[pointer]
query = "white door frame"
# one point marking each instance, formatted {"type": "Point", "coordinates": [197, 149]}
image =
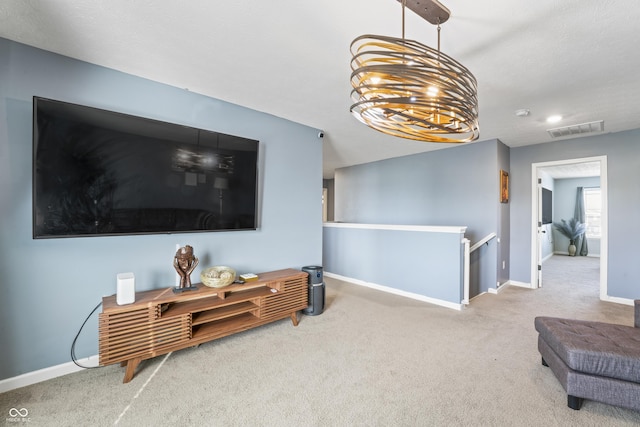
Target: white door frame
{"type": "Point", "coordinates": [538, 255]}
{"type": "Point", "coordinates": [604, 239]}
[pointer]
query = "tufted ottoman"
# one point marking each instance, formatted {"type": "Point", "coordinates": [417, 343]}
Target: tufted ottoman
{"type": "Point", "coordinates": [593, 360]}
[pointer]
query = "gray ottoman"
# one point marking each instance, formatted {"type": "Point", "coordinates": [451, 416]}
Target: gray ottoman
{"type": "Point", "coordinates": [593, 360]}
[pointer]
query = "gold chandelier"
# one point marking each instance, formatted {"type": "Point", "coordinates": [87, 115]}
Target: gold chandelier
{"type": "Point", "coordinates": [406, 89]}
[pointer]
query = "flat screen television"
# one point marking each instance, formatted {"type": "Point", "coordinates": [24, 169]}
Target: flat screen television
{"type": "Point", "coordinates": [103, 173]}
{"type": "Point", "coordinates": [547, 206]}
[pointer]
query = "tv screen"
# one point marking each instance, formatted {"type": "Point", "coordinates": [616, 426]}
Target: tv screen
{"type": "Point", "coordinates": [547, 206]}
{"type": "Point", "coordinates": [98, 172]}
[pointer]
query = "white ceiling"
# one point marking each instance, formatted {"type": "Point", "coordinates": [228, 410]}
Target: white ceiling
{"type": "Point", "coordinates": [572, 170]}
{"type": "Point", "coordinates": [290, 58]}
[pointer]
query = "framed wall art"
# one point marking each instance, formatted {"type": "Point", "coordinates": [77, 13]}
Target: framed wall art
{"type": "Point", "coordinates": [504, 186]}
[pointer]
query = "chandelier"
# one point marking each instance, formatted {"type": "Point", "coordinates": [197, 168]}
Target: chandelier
{"type": "Point", "coordinates": [406, 89]}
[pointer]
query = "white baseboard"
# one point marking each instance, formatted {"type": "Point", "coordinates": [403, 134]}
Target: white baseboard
{"type": "Point", "coordinates": [46, 374]}
{"type": "Point", "coordinates": [498, 289]}
{"type": "Point", "coordinates": [395, 291]}
{"type": "Point", "coordinates": [617, 300]}
{"type": "Point", "coordinates": [510, 283]}
{"type": "Point", "coordinates": [567, 254]}
{"type": "Point", "coordinates": [519, 284]}
{"type": "Point", "coordinates": [605, 298]}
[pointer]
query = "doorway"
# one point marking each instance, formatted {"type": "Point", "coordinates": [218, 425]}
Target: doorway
{"type": "Point", "coordinates": [325, 204]}
{"type": "Point", "coordinates": [536, 223]}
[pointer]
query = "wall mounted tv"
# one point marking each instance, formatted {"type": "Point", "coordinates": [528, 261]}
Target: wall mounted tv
{"type": "Point", "coordinates": [99, 173]}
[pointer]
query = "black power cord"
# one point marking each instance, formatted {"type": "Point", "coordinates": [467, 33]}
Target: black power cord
{"type": "Point", "coordinates": [73, 344]}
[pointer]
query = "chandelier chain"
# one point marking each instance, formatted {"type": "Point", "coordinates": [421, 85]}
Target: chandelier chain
{"type": "Point", "coordinates": [404, 3]}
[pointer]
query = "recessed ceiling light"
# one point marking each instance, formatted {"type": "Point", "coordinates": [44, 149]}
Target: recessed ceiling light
{"type": "Point", "coordinates": [523, 112]}
{"type": "Point", "coordinates": [554, 119]}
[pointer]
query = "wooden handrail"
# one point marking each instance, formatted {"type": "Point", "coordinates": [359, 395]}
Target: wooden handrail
{"type": "Point", "coordinates": [482, 242]}
{"type": "Point", "coordinates": [467, 255]}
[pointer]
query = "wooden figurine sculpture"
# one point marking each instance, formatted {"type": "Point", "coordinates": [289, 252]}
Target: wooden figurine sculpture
{"type": "Point", "coordinates": [185, 262]}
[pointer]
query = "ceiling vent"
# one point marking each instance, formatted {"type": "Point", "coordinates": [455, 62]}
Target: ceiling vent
{"type": "Point", "coordinates": [590, 127]}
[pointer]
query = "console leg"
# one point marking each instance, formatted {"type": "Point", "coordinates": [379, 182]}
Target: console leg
{"type": "Point", "coordinates": [131, 369]}
{"type": "Point", "coordinates": [294, 318]}
{"type": "Point", "coordinates": [544, 363]}
{"type": "Point", "coordinates": [574, 402]}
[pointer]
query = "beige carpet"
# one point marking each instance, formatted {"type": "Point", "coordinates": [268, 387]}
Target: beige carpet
{"type": "Point", "coordinates": [371, 359]}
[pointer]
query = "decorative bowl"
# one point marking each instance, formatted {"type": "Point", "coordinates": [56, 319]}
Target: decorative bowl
{"type": "Point", "coordinates": [218, 277]}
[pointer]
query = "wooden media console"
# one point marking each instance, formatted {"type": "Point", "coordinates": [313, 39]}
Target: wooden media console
{"type": "Point", "coordinates": [161, 321]}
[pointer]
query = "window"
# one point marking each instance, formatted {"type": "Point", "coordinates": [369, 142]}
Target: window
{"type": "Point", "coordinates": [592, 207]}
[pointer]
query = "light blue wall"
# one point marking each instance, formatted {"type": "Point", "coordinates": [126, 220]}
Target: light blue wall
{"type": "Point", "coordinates": [455, 186]}
{"type": "Point", "coordinates": [504, 219]}
{"type": "Point", "coordinates": [623, 160]}
{"type": "Point", "coordinates": [422, 263]}
{"type": "Point", "coordinates": [50, 286]}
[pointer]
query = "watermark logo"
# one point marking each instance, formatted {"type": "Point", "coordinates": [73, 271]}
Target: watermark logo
{"type": "Point", "coordinates": [18, 415]}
